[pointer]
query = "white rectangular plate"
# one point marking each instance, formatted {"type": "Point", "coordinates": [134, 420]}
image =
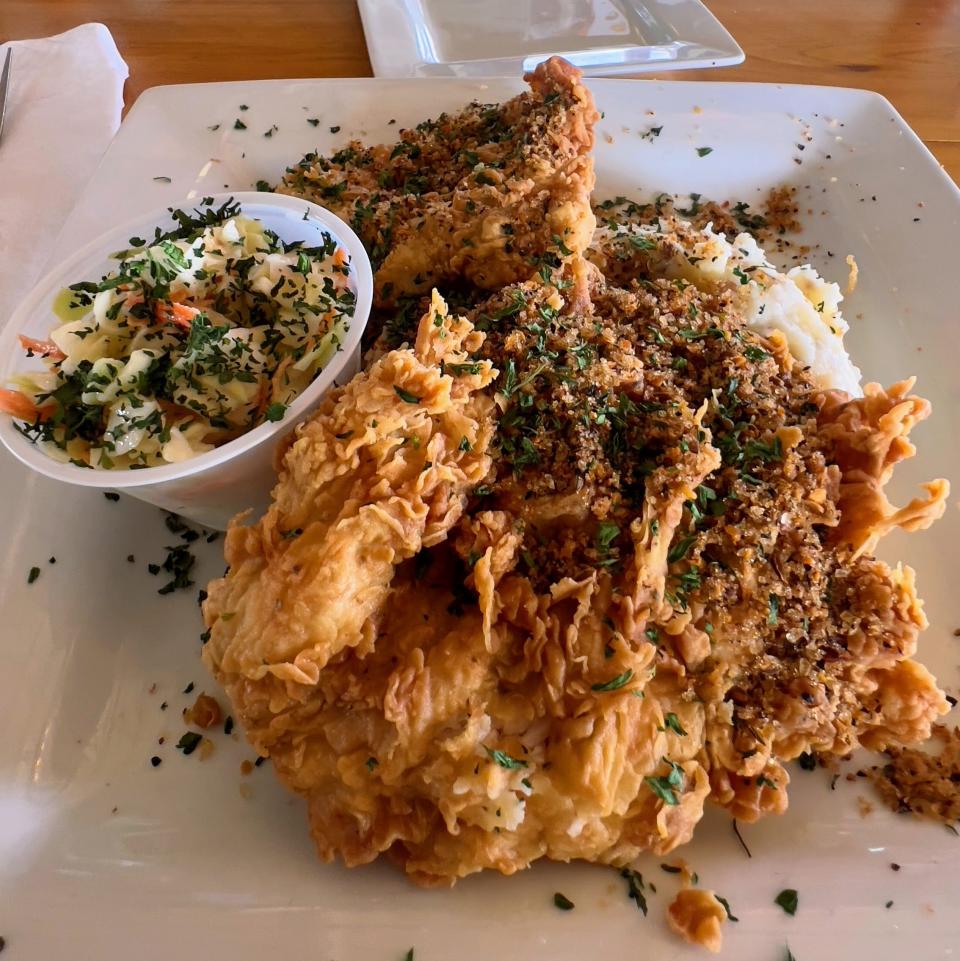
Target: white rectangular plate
{"type": "Point", "coordinates": [102, 854]}
{"type": "Point", "coordinates": [503, 38]}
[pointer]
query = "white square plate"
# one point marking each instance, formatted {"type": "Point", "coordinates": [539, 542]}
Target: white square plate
{"type": "Point", "coordinates": [103, 856]}
{"type": "Point", "coordinates": [504, 38]}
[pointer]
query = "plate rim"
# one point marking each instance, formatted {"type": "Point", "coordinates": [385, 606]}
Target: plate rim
{"type": "Point", "coordinates": [761, 932]}
{"type": "Point", "coordinates": [398, 58]}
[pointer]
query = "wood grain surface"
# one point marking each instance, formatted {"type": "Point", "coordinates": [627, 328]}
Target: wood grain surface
{"type": "Point", "coordinates": [908, 50]}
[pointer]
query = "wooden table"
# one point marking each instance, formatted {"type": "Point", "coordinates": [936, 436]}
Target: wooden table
{"type": "Point", "coordinates": [908, 50]}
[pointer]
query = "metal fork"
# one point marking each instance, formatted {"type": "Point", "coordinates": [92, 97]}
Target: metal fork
{"type": "Point", "coordinates": [4, 83]}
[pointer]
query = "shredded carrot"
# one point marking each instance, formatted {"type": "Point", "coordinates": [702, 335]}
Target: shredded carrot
{"type": "Point", "coordinates": [42, 348]}
{"type": "Point", "coordinates": [263, 397]}
{"type": "Point", "coordinates": [174, 413]}
{"type": "Point", "coordinates": [340, 257]}
{"type": "Point", "coordinates": [180, 314]}
{"type": "Point", "coordinates": [277, 374]}
{"type": "Point", "coordinates": [18, 405]}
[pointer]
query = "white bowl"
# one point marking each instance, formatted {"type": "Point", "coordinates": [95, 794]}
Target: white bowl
{"type": "Point", "coordinates": [212, 487]}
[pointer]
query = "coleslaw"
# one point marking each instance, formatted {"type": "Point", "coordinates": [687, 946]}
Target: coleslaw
{"type": "Point", "coordinates": [196, 337]}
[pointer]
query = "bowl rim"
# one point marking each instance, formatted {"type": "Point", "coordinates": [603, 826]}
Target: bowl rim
{"type": "Point", "coordinates": [97, 249]}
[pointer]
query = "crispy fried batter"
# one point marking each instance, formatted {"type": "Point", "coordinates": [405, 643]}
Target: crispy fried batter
{"type": "Point", "coordinates": [577, 561]}
{"type": "Point", "coordinates": [779, 217]}
{"type": "Point", "coordinates": [698, 917]}
{"type": "Point", "coordinates": [481, 195]}
{"type": "Point", "coordinates": [504, 694]}
{"type": "Point", "coordinates": [379, 474]}
{"type": "Point", "coordinates": [921, 783]}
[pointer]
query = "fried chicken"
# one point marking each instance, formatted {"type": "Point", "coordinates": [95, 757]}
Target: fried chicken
{"type": "Point", "coordinates": [481, 195]}
{"type": "Point", "coordinates": [578, 560]}
{"type": "Point", "coordinates": [380, 473]}
{"type": "Point", "coordinates": [561, 619]}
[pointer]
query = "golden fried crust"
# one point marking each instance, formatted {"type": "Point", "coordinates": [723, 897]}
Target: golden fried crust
{"type": "Point", "coordinates": [378, 474]}
{"type": "Point", "coordinates": [867, 438]}
{"type": "Point", "coordinates": [698, 917]}
{"type": "Point", "coordinates": [437, 700]}
{"type": "Point", "coordinates": [545, 582]}
{"type": "Point", "coordinates": [481, 195]}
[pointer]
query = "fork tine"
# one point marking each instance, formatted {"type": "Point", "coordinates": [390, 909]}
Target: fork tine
{"type": "Point", "coordinates": [4, 81]}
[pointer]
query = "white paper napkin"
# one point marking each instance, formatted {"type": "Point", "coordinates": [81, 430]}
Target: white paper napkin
{"type": "Point", "coordinates": [63, 108]}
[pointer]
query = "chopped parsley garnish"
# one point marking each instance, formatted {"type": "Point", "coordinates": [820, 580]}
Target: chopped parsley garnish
{"type": "Point", "coordinates": [642, 243]}
{"type": "Point", "coordinates": [111, 496]}
{"type": "Point", "coordinates": [371, 763]}
{"type": "Point", "coordinates": [517, 303]}
{"type": "Point", "coordinates": [275, 412]}
{"type": "Point", "coordinates": [406, 396]}
{"type": "Point", "coordinates": [162, 180]}
{"type": "Point", "coordinates": [33, 574]}
{"type": "Point", "coordinates": [694, 207]}
{"type": "Point", "coordinates": [773, 608]}
{"type": "Point", "coordinates": [563, 902]}
{"type": "Point", "coordinates": [788, 900]}
{"type": "Point", "coordinates": [665, 788]}
{"type": "Point", "coordinates": [635, 886]}
{"type": "Point", "coordinates": [703, 151]}
{"type": "Point", "coordinates": [178, 563]}
{"type": "Point", "coordinates": [505, 760]}
{"type": "Point", "coordinates": [313, 121]}
{"type": "Point", "coordinates": [743, 278]}
{"type": "Point", "coordinates": [615, 683]}
{"type": "Point", "coordinates": [726, 907]}
{"type": "Point", "coordinates": [335, 129]}
{"type": "Point", "coordinates": [808, 761]}
{"type": "Point", "coordinates": [238, 124]}
{"type": "Point", "coordinates": [679, 550]}
{"type": "Point", "coordinates": [188, 742]}
{"type": "Point", "coordinates": [743, 844]}
{"type": "Point", "coordinates": [672, 722]}
{"type": "Point", "coordinates": [606, 534]}
{"type": "Point", "coordinates": [459, 369]}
